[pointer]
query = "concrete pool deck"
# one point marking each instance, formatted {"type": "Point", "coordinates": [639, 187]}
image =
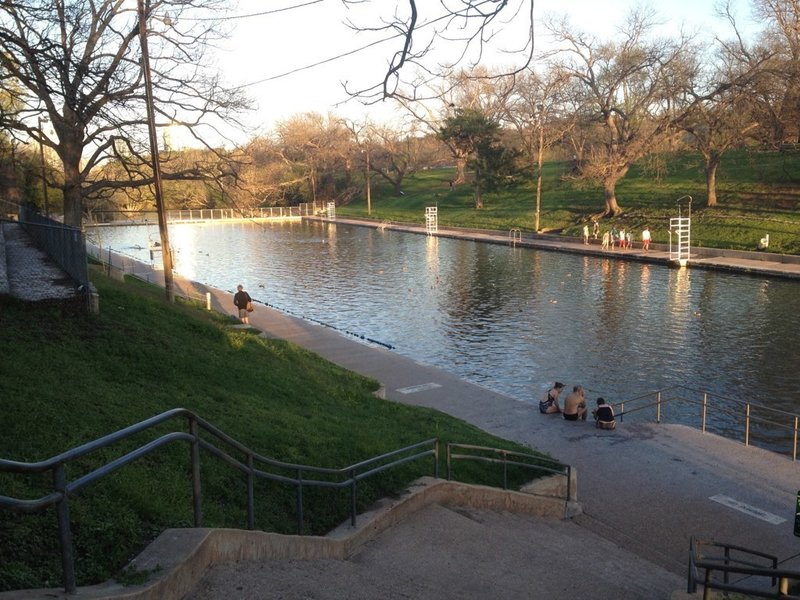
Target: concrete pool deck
{"type": "Point", "coordinates": [740, 261]}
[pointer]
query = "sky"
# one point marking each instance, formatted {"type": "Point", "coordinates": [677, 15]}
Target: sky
{"type": "Point", "coordinates": [272, 46]}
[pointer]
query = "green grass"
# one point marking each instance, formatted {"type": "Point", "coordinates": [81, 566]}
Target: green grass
{"type": "Point", "coordinates": [66, 380]}
{"type": "Point", "coordinates": [758, 193]}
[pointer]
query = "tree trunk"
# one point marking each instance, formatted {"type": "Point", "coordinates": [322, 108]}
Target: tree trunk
{"type": "Point", "coordinates": [461, 170]}
{"type": "Point", "coordinates": [610, 196]}
{"type": "Point", "coordinates": [73, 196]}
{"type": "Point", "coordinates": [539, 159]}
{"type": "Point", "coordinates": [711, 180]}
{"type": "Point", "coordinates": [478, 195]}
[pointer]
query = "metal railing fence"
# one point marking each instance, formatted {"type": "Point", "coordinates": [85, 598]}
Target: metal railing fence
{"type": "Point", "coordinates": [253, 467]}
{"type": "Point", "coordinates": [758, 569]}
{"type": "Point", "coordinates": [194, 215]}
{"type": "Point", "coordinates": [129, 265]}
{"type": "Point", "coordinates": [744, 416]}
{"type": "Point", "coordinates": [62, 243]}
{"type": "Point", "coordinates": [508, 458]}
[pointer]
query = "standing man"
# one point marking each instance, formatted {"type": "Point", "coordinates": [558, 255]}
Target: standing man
{"type": "Point", "coordinates": [646, 238]}
{"type": "Point", "coordinates": [244, 303]}
{"type": "Point", "coordinates": [585, 234]}
{"type": "Point", "coordinates": [595, 228]}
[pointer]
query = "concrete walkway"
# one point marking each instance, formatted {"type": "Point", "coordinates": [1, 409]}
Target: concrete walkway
{"type": "Point", "coordinates": [645, 489]}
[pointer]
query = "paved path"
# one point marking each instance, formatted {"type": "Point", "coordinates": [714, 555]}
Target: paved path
{"type": "Point", "coordinates": [27, 272]}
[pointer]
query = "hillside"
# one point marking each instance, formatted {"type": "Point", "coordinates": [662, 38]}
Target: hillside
{"type": "Point", "coordinates": [758, 193]}
{"type": "Point", "coordinates": [65, 381]}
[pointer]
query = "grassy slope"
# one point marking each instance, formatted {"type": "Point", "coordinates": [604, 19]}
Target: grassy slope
{"type": "Point", "coordinates": [66, 381]}
{"type": "Point", "coordinates": [758, 193]}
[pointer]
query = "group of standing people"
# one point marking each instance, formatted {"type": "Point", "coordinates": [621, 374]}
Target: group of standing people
{"type": "Point", "coordinates": [619, 238]}
{"type": "Point", "coordinates": [575, 408]}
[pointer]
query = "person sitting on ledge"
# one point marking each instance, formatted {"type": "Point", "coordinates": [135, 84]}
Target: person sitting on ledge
{"type": "Point", "coordinates": [604, 415]}
{"type": "Point", "coordinates": [575, 405]}
{"type": "Point", "coordinates": [550, 403]}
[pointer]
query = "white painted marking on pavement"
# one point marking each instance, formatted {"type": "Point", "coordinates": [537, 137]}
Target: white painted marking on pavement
{"type": "Point", "coordinates": [747, 509]}
{"type": "Point", "coordinates": [419, 388]}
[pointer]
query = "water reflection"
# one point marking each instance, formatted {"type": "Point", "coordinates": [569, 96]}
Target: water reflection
{"type": "Point", "coordinates": [512, 318]}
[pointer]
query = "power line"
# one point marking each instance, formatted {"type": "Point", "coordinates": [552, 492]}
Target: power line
{"type": "Point", "coordinates": [259, 14]}
{"type": "Point", "coordinates": [338, 56]}
{"type": "Point", "coordinates": [317, 64]}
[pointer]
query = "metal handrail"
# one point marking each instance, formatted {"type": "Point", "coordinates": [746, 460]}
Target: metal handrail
{"type": "Point", "coordinates": [729, 565]}
{"type": "Point", "coordinates": [63, 489]}
{"type": "Point", "coordinates": [549, 466]}
{"type": "Point", "coordinates": [745, 410]}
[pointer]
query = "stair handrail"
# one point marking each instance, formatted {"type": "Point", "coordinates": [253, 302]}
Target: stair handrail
{"type": "Point", "coordinates": [62, 488]}
{"type": "Point", "coordinates": [729, 565]}
{"type": "Point", "coordinates": [507, 459]}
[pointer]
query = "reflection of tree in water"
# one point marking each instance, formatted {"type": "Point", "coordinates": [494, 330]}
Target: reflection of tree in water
{"type": "Point", "coordinates": [611, 299]}
{"type": "Point", "coordinates": [479, 284]}
{"type": "Point", "coordinates": [774, 363]}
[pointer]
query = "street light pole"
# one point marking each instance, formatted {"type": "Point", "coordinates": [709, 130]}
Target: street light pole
{"type": "Point", "coordinates": [539, 156]}
{"type": "Point", "coordinates": [369, 186]}
{"type": "Point", "coordinates": [166, 252]}
{"type": "Point", "coordinates": [44, 171]}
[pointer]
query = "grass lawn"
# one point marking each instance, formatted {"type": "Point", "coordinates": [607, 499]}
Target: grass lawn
{"type": "Point", "coordinates": [67, 380]}
{"type": "Point", "coordinates": [758, 194]}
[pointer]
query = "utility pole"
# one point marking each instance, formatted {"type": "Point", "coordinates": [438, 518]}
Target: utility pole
{"type": "Point", "coordinates": [166, 251]}
{"type": "Point", "coordinates": [44, 171]}
{"type": "Point", "coordinates": [539, 155]}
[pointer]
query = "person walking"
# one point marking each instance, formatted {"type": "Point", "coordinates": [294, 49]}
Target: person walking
{"type": "Point", "coordinates": [244, 303]}
{"type": "Point", "coordinates": [586, 234]}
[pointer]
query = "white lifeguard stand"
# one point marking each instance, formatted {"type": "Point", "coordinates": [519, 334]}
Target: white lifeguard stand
{"type": "Point", "coordinates": [331, 210]}
{"type": "Point", "coordinates": [432, 219]}
{"type": "Point", "coordinates": [682, 227]}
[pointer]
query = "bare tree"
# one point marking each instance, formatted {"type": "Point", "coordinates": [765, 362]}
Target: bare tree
{"type": "Point", "coordinates": [318, 148]}
{"type": "Point", "coordinates": [267, 178]}
{"type": "Point", "coordinates": [720, 115]}
{"type": "Point", "coordinates": [632, 85]}
{"type": "Point", "coordinates": [388, 152]}
{"type": "Point", "coordinates": [79, 64]}
{"type": "Point", "coordinates": [432, 104]}
{"type": "Point", "coordinates": [536, 110]}
{"type": "Point", "coordinates": [471, 29]}
{"type": "Point", "coordinates": [780, 80]}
